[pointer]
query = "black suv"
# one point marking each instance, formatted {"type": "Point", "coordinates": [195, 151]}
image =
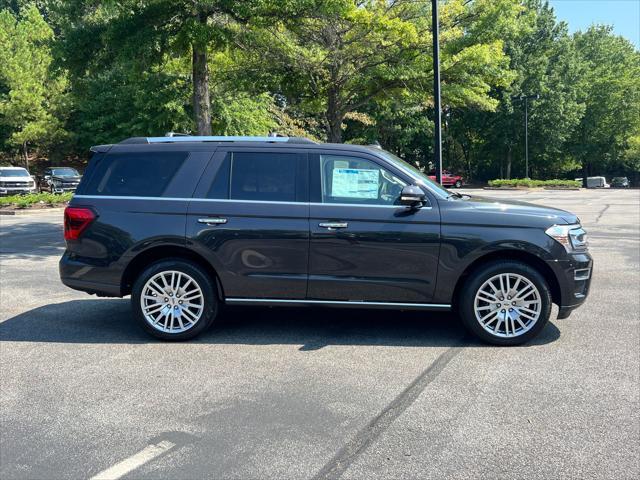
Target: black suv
{"type": "Point", "coordinates": [185, 224]}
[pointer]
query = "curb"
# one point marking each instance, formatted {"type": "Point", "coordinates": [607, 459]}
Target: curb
{"type": "Point", "coordinates": [526, 189]}
{"type": "Point", "coordinates": [31, 211]}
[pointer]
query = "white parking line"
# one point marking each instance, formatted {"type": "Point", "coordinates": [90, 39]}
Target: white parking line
{"type": "Point", "coordinates": [127, 465]}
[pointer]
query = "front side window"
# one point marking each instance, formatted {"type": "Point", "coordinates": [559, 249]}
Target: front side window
{"type": "Point", "coordinates": [139, 174]}
{"type": "Point", "coordinates": [260, 176]}
{"type": "Point", "coordinates": [356, 180]}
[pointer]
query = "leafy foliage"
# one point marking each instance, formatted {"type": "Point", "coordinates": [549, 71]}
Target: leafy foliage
{"type": "Point", "coordinates": [25, 201]}
{"type": "Point", "coordinates": [76, 73]}
{"type": "Point", "coordinates": [529, 183]}
{"type": "Point", "coordinates": [33, 98]}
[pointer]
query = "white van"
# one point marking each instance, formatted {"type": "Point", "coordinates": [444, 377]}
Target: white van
{"type": "Point", "coordinates": [595, 182]}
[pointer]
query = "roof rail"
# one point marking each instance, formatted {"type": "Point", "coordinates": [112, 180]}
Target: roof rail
{"type": "Point", "coordinates": [194, 138]}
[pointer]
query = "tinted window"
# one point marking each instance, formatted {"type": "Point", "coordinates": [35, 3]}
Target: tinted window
{"type": "Point", "coordinates": [357, 180]}
{"type": "Point", "coordinates": [265, 176]}
{"type": "Point", "coordinates": [145, 174]}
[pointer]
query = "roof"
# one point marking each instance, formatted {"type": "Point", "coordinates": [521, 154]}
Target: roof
{"type": "Point", "coordinates": [12, 168]}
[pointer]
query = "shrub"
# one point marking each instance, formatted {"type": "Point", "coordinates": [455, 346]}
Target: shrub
{"type": "Point", "coordinates": [529, 183]}
{"type": "Point", "coordinates": [25, 201]}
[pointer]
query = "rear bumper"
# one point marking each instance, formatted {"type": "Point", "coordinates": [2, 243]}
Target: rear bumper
{"type": "Point", "coordinates": [87, 278]}
{"type": "Point", "coordinates": [574, 276]}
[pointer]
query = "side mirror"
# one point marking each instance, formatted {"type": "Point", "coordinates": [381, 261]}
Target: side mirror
{"type": "Point", "coordinates": [412, 195]}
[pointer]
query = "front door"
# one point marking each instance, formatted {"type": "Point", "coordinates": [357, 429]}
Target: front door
{"type": "Point", "coordinates": [364, 245]}
{"type": "Point", "coordinates": [250, 218]}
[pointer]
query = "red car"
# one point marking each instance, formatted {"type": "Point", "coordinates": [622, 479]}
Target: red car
{"type": "Point", "coordinates": [448, 179]}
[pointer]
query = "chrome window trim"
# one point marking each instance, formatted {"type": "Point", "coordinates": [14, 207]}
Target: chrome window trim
{"type": "Point", "coordinates": [443, 306]}
{"type": "Point", "coordinates": [228, 200]}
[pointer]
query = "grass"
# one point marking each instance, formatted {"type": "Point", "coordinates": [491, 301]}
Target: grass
{"type": "Point", "coordinates": [527, 182]}
{"type": "Point", "coordinates": [26, 201]}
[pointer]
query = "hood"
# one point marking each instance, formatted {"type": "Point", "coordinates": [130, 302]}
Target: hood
{"type": "Point", "coordinates": [74, 178]}
{"type": "Point", "coordinates": [16, 179]}
{"type": "Point", "coordinates": [493, 211]}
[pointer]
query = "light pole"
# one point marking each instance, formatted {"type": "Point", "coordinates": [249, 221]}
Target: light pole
{"type": "Point", "coordinates": [437, 147]}
{"type": "Point", "coordinates": [526, 99]}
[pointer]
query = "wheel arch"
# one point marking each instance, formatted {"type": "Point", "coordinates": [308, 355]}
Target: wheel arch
{"type": "Point", "coordinates": [145, 258]}
{"type": "Point", "coordinates": [518, 255]}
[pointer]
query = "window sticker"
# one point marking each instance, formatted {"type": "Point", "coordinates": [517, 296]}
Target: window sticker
{"type": "Point", "coordinates": [355, 183]}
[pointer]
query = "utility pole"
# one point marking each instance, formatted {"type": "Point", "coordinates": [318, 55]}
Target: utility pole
{"type": "Point", "coordinates": [526, 99]}
{"type": "Point", "coordinates": [437, 147]}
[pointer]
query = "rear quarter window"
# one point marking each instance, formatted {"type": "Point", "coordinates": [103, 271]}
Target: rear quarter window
{"type": "Point", "coordinates": [136, 174]}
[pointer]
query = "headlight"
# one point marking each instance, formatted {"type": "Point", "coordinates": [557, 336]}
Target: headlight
{"type": "Point", "coordinates": [57, 183]}
{"type": "Point", "coordinates": [572, 237]}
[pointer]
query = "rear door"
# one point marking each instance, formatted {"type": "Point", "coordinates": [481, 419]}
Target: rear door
{"type": "Point", "coordinates": [364, 245]}
{"type": "Point", "coordinates": [249, 218]}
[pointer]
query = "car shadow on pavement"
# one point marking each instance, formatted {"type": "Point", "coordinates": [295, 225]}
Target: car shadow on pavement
{"type": "Point", "coordinates": [31, 241]}
{"type": "Point", "coordinates": [111, 321]}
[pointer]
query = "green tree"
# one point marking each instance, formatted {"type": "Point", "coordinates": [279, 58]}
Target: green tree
{"type": "Point", "coordinates": [339, 63]}
{"type": "Point", "coordinates": [32, 95]}
{"type": "Point", "coordinates": [610, 90]}
{"type": "Point", "coordinates": [544, 61]}
{"type": "Point", "coordinates": [143, 33]}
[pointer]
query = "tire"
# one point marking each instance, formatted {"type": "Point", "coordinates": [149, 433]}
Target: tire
{"type": "Point", "coordinates": [458, 184]}
{"type": "Point", "coordinates": [175, 319]}
{"type": "Point", "coordinates": [518, 319]}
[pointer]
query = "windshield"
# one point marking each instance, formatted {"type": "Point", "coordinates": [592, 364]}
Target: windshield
{"type": "Point", "coordinates": [65, 172]}
{"type": "Point", "coordinates": [18, 172]}
{"type": "Point", "coordinates": [414, 172]}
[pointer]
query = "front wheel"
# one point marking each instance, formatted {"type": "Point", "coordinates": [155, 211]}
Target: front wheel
{"type": "Point", "coordinates": [505, 303]}
{"type": "Point", "coordinates": [174, 299]}
{"type": "Point", "coordinates": [458, 184]}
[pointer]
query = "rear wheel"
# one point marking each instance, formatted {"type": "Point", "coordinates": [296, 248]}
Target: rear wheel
{"type": "Point", "coordinates": [458, 184]}
{"type": "Point", "coordinates": [505, 303]}
{"type": "Point", "coordinates": [174, 299]}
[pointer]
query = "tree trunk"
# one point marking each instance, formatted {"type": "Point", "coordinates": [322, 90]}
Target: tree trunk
{"type": "Point", "coordinates": [334, 118]}
{"type": "Point", "coordinates": [25, 151]}
{"type": "Point", "coordinates": [509, 163]}
{"type": "Point", "coordinates": [201, 100]}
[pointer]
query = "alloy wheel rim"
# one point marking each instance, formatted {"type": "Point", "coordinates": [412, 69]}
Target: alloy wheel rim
{"type": "Point", "coordinates": [507, 305]}
{"type": "Point", "coordinates": [172, 302]}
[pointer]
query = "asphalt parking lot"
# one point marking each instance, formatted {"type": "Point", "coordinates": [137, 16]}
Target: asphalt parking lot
{"type": "Point", "coordinates": [301, 393]}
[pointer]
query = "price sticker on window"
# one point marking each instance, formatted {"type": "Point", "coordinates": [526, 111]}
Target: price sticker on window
{"type": "Point", "coordinates": [355, 183]}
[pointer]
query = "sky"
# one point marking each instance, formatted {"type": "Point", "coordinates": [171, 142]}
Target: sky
{"type": "Point", "coordinates": [623, 15]}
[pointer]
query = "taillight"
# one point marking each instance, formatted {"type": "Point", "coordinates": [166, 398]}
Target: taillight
{"type": "Point", "coordinates": [76, 220]}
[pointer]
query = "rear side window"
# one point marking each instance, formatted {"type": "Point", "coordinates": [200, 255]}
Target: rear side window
{"type": "Point", "coordinates": [136, 174]}
{"type": "Point", "coordinates": [263, 176]}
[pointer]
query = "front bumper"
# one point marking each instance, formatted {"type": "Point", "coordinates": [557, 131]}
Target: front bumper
{"type": "Point", "coordinates": [17, 190]}
{"type": "Point", "coordinates": [63, 188]}
{"type": "Point", "coordinates": [574, 275]}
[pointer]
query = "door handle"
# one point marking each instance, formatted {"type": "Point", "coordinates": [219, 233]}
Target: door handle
{"type": "Point", "coordinates": [333, 225]}
{"type": "Point", "coordinates": [212, 221]}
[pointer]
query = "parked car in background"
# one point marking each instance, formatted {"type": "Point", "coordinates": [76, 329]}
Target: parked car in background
{"type": "Point", "coordinates": [595, 182]}
{"type": "Point", "coordinates": [620, 182]}
{"type": "Point", "coordinates": [186, 225]}
{"type": "Point", "coordinates": [59, 180]}
{"type": "Point", "coordinates": [448, 179]}
{"type": "Point", "coordinates": [16, 181]}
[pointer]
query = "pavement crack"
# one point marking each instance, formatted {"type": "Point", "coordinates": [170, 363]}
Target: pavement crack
{"type": "Point", "coordinates": [606, 207]}
{"type": "Point", "coordinates": [367, 435]}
